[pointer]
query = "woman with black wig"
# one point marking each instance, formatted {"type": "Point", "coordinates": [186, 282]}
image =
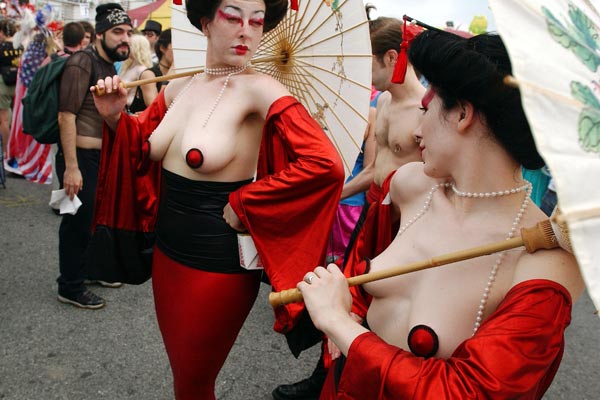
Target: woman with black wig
{"type": "Point", "coordinates": [490, 327]}
{"type": "Point", "coordinates": [208, 131]}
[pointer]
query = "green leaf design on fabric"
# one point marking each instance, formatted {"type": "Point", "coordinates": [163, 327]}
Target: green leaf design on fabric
{"type": "Point", "coordinates": [582, 37]}
{"type": "Point", "coordinates": [584, 94]}
{"type": "Point", "coordinates": [589, 129]}
{"type": "Point", "coordinates": [579, 37]}
{"type": "Point", "coordinates": [585, 26]}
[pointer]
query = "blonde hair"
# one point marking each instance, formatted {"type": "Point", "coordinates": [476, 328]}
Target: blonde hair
{"type": "Point", "coordinates": [139, 53]}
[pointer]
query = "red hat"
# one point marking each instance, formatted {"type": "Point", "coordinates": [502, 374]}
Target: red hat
{"type": "Point", "coordinates": [409, 33]}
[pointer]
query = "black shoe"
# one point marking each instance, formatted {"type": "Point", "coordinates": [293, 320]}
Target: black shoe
{"type": "Point", "coordinates": [306, 389]}
{"type": "Point", "coordinates": [87, 299]}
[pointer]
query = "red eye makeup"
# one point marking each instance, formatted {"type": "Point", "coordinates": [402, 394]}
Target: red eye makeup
{"type": "Point", "coordinates": [230, 17]}
{"type": "Point", "coordinates": [257, 21]}
{"type": "Point", "coordinates": [427, 98]}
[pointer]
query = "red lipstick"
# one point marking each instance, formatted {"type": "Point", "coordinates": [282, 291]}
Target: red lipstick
{"type": "Point", "coordinates": [241, 50]}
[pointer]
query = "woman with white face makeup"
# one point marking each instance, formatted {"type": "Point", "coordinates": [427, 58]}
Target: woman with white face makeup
{"type": "Point", "coordinates": [490, 327]}
{"type": "Point", "coordinates": [211, 134]}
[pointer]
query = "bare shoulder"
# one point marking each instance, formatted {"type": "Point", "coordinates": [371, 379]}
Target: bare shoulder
{"type": "Point", "coordinates": [383, 100]}
{"type": "Point", "coordinates": [409, 182]}
{"type": "Point", "coordinates": [147, 74]}
{"type": "Point", "coordinates": [557, 265]}
{"type": "Point", "coordinates": [174, 87]}
{"type": "Point", "coordinates": [264, 90]}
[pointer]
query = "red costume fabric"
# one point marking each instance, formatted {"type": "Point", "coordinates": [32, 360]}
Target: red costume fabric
{"type": "Point", "coordinates": [197, 336]}
{"type": "Point", "coordinates": [376, 234]}
{"type": "Point", "coordinates": [128, 184]}
{"type": "Point", "coordinates": [288, 210]}
{"type": "Point", "coordinates": [126, 201]}
{"type": "Point", "coordinates": [514, 354]}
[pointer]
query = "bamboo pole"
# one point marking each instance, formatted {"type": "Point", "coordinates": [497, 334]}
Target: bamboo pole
{"type": "Point", "coordinates": [540, 236]}
{"type": "Point", "coordinates": [283, 58]}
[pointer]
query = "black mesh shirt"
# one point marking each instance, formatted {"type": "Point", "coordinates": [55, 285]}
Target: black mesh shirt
{"type": "Point", "coordinates": [75, 96]}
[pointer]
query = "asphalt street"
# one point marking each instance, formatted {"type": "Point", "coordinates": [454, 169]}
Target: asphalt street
{"type": "Point", "coordinates": [49, 350]}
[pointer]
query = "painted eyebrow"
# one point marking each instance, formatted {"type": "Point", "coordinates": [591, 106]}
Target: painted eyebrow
{"type": "Point", "coordinates": [238, 9]}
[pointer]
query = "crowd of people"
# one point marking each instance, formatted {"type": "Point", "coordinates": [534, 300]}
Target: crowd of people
{"type": "Point", "coordinates": [198, 161]}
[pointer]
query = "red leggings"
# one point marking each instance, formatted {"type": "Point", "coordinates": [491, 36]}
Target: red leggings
{"type": "Point", "coordinates": [199, 314]}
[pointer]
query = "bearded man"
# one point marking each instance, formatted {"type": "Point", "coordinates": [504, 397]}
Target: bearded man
{"type": "Point", "coordinates": [80, 143]}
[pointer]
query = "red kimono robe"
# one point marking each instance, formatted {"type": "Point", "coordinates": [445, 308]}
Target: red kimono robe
{"type": "Point", "coordinates": [288, 211]}
{"type": "Point", "coordinates": [376, 234]}
{"type": "Point", "coordinates": [514, 354]}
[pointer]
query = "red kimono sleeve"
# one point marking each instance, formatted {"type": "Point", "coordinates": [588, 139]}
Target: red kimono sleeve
{"type": "Point", "coordinates": [128, 183]}
{"type": "Point", "coordinates": [290, 208]}
{"type": "Point", "coordinates": [514, 354]}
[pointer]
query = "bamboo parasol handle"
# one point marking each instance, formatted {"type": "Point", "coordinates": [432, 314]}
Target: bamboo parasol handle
{"type": "Point", "coordinates": [126, 85]}
{"type": "Point", "coordinates": [540, 236]}
{"type": "Point", "coordinates": [283, 58]}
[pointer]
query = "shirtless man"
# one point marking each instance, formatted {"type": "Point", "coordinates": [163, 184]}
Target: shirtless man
{"type": "Point", "coordinates": [398, 106]}
{"type": "Point", "coordinates": [398, 113]}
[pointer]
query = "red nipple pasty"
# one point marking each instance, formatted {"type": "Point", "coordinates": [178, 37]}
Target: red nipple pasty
{"type": "Point", "coordinates": [194, 158]}
{"type": "Point", "coordinates": [423, 341]}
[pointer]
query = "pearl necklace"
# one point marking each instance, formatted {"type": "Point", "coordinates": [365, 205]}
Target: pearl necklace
{"type": "Point", "coordinates": [179, 95]}
{"type": "Point", "coordinates": [423, 209]}
{"type": "Point", "coordinates": [229, 71]}
{"type": "Point", "coordinates": [488, 287]}
{"type": "Point", "coordinates": [490, 194]}
{"type": "Point", "coordinates": [492, 278]}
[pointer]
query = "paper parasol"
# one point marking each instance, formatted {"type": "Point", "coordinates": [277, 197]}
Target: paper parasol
{"type": "Point", "coordinates": [322, 55]}
{"type": "Point", "coordinates": [554, 46]}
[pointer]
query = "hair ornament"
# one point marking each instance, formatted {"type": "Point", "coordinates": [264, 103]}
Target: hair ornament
{"type": "Point", "coordinates": [409, 33]}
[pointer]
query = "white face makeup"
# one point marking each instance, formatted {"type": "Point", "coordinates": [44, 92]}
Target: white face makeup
{"type": "Point", "coordinates": [236, 30]}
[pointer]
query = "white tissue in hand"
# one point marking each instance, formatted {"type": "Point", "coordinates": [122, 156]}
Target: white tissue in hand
{"type": "Point", "coordinates": [60, 200]}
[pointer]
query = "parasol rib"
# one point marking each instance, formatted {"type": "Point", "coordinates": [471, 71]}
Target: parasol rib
{"type": "Point", "coordinates": [578, 215]}
{"type": "Point", "coordinates": [302, 87]}
{"type": "Point", "coordinates": [331, 37]}
{"type": "Point", "coordinates": [514, 82]}
{"type": "Point", "coordinates": [300, 20]}
{"type": "Point", "coordinates": [331, 90]}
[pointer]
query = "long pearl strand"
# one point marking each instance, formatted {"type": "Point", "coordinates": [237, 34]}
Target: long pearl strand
{"type": "Point", "coordinates": [423, 209]}
{"type": "Point", "coordinates": [229, 71]}
{"type": "Point", "coordinates": [492, 278]}
{"type": "Point", "coordinates": [527, 187]}
{"type": "Point", "coordinates": [179, 95]}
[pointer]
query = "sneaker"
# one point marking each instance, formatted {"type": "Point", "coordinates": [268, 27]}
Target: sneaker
{"type": "Point", "coordinates": [87, 299]}
{"type": "Point", "coordinates": [113, 285]}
